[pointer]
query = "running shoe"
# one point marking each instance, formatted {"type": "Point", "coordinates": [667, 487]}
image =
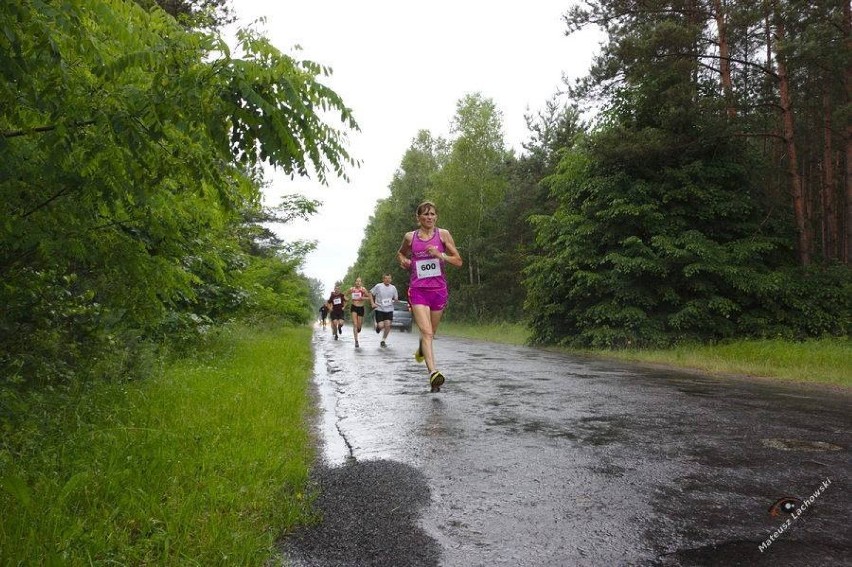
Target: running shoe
{"type": "Point", "coordinates": [418, 354]}
{"type": "Point", "coordinates": [435, 381]}
{"type": "Point", "coordinates": [356, 344]}
{"type": "Point", "coordinates": [383, 344]}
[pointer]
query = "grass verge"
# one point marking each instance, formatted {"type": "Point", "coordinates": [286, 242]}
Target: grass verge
{"type": "Point", "coordinates": [205, 464]}
{"type": "Point", "coordinates": [503, 333]}
{"type": "Point", "coordinates": [823, 361]}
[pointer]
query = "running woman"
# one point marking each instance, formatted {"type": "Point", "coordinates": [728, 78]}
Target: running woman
{"type": "Point", "coordinates": [383, 295]}
{"type": "Point", "coordinates": [335, 303]}
{"type": "Point", "coordinates": [426, 252]}
{"type": "Point", "coordinates": [357, 295]}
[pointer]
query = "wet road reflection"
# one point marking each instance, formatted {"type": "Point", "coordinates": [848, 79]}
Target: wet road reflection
{"type": "Point", "coordinates": [536, 458]}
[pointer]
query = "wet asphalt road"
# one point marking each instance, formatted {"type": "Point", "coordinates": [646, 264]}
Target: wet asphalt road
{"type": "Point", "coordinates": [528, 457]}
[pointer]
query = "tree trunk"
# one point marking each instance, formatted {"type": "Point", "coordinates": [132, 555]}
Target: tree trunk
{"type": "Point", "coordinates": [788, 134]}
{"type": "Point", "coordinates": [725, 59]}
{"type": "Point", "coordinates": [847, 182]}
{"type": "Point", "coordinates": [828, 194]}
{"type": "Point", "coordinates": [470, 261]}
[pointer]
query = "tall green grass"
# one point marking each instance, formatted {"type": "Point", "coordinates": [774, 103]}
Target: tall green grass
{"type": "Point", "coordinates": [504, 333]}
{"type": "Point", "coordinates": [825, 361]}
{"type": "Point", "coordinates": [205, 464]}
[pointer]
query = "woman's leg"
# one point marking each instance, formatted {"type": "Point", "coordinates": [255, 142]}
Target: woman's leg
{"type": "Point", "coordinates": [356, 326]}
{"type": "Point", "coordinates": [427, 321]}
{"type": "Point", "coordinates": [435, 320]}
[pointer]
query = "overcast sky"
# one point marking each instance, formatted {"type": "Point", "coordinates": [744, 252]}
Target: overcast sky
{"type": "Point", "coordinates": [402, 67]}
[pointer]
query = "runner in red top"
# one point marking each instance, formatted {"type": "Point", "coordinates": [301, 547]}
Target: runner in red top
{"type": "Point", "coordinates": [358, 294]}
{"type": "Point", "coordinates": [426, 252]}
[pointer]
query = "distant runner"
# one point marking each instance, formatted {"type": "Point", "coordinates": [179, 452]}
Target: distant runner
{"type": "Point", "coordinates": [384, 294]}
{"type": "Point", "coordinates": [425, 252]}
{"type": "Point", "coordinates": [323, 311]}
{"type": "Point", "coordinates": [335, 303]}
{"type": "Point", "coordinates": [358, 294]}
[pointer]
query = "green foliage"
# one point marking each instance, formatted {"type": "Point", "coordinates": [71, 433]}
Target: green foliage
{"type": "Point", "coordinates": [131, 149]}
{"type": "Point", "coordinates": [666, 228]}
{"type": "Point", "coordinates": [650, 43]}
{"type": "Point", "coordinates": [195, 13]}
{"type": "Point", "coordinates": [470, 187]}
{"type": "Point", "coordinates": [649, 248]}
{"type": "Point", "coordinates": [276, 291]}
{"type": "Point", "coordinates": [797, 303]}
{"type": "Point", "coordinates": [467, 177]}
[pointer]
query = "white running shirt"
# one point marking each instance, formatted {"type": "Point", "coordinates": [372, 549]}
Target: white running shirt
{"type": "Point", "coordinates": [384, 296]}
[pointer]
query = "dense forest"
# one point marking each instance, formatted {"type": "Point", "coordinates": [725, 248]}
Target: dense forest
{"type": "Point", "coordinates": [708, 197]}
{"type": "Point", "coordinates": [132, 143]}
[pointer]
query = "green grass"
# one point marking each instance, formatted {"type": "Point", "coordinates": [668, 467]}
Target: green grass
{"type": "Point", "coordinates": [503, 333]}
{"type": "Point", "coordinates": [824, 361]}
{"type": "Point", "coordinates": [205, 464]}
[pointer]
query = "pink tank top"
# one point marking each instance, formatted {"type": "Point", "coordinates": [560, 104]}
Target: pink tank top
{"type": "Point", "coordinates": [427, 272]}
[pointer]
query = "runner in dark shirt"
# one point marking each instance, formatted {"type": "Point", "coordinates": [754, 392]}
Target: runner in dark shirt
{"type": "Point", "coordinates": [323, 311]}
{"type": "Point", "coordinates": [336, 302]}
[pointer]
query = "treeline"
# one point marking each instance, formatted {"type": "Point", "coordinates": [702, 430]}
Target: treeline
{"type": "Point", "coordinates": [131, 145]}
{"type": "Point", "coordinates": [708, 198]}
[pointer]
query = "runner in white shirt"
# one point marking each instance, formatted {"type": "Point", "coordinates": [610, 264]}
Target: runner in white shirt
{"type": "Point", "coordinates": [383, 296]}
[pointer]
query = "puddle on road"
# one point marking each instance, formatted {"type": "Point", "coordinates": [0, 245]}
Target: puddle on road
{"type": "Point", "coordinates": [700, 392]}
{"type": "Point", "coordinates": [594, 431]}
{"type": "Point", "coordinates": [800, 445]}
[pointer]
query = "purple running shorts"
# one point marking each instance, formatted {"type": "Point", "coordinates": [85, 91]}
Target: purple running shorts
{"type": "Point", "coordinates": [435, 299]}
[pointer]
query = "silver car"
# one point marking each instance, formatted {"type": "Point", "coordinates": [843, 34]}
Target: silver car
{"type": "Point", "coordinates": [402, 318]}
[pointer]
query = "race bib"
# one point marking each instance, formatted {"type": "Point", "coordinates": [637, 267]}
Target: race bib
{"type": "Point", "coordinates": [430, 268]}
{"type": "Point", "coordinates": [387, 302]}
{"type": "Point", "coordinates": [356, 295]}
{"type": "Point", "coordinates": [336, 301]}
